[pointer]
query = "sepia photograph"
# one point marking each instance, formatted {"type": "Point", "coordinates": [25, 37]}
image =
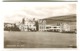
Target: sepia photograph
{"type": "Point", "coordinates": [39, 25]}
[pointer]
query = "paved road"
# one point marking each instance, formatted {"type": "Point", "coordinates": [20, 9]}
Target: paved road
{"type": "Point", "coordinates": [39, 40]}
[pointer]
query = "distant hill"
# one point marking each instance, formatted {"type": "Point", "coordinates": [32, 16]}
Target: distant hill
{"type": "Point", "coordinates": [64, 18]}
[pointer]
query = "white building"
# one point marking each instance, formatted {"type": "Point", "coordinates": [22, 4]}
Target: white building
{"type": "Point", "coordinates": [27, 25]}
{"type": "Point", "coordinates": [64, 23]}
{"type": "Point", "coordinates": [8, 24]}
{"type": "Point", "coordinates": [42, 25]}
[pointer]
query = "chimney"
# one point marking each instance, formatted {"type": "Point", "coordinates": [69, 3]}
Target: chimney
{"type": "Point", "coordinates": [23, 21]}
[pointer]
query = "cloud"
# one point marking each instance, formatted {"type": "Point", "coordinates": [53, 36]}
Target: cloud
{"type": "Point", "coordinates": [38, 12]}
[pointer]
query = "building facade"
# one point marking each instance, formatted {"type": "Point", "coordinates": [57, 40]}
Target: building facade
{"type": "Point", "coordinates": [65, 23]}
{"type": "Point", "coordinates": [42, 25]}
{"type": "Point", "coordinates": [27, 25]}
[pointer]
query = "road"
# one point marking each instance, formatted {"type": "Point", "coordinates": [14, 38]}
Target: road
{"type": "Point", "coordinates": [39, 40]}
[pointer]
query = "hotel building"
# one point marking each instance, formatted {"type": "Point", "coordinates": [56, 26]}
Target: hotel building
{"type": "Point", "coordinates": [65, 23]}
{"type": "Point", "coordinates": [27, 25]}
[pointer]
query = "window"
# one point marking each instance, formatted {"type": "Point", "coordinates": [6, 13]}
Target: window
{"type": "Point", "coordinates": [48, 27]}
{"type": "Point", "coordinates": [55, 27]}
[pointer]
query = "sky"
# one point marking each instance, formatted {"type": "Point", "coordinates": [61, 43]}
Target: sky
{"type": "Point", "coordinates": [14, 12]}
